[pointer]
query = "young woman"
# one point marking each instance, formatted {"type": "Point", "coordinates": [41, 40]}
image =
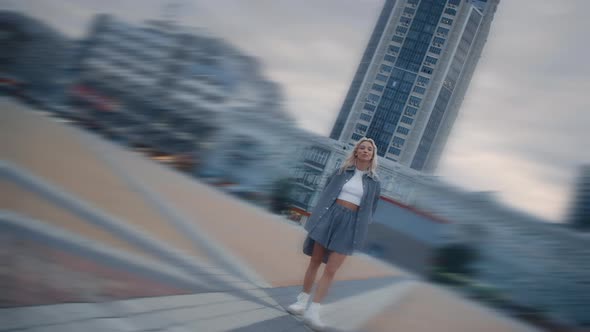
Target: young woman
{"type": "Point", "coordinates": [338, 224]}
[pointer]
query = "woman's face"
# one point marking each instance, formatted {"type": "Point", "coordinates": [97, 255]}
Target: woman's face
{"type": "Point", "coordinates": [365, 151]}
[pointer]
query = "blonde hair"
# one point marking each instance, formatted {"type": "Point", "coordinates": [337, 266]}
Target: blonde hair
{"type": "Point", "coordinates": [351, 159]}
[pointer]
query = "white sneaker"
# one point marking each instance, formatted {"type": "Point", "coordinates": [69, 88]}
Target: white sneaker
{"type": "Point", "coordinates": [312, 317]}
{"type": "Point", "coordinates": [298, 307]}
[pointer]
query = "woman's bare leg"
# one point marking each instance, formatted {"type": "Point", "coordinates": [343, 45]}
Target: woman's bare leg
{"type": "Point", "coordinates": [312, 268]}
{"type": "Point", "coordinates": [334, 262]}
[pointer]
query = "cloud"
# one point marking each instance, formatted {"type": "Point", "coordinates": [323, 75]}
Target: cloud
{"type": "Point", "coordinates": [519, 181]}
{"type": "Point", "coordinates": [523, 125]}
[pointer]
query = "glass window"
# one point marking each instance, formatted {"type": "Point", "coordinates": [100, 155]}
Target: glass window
{"type": "Point", "coordinates": [361, 127]}
{"type": "Point", "coordinates": [430, 61]}
{"type": "Point", "coordinates": [394, 49]}
{"type": "Point", "coordinates": [454, 2]}
{"type": "Point", "coordinates": [423, 80]}
{"type": "Point", "coordinates": [403, 130]}
{"type": "Point", "coordinates": [451, 11]}
{"type": "Point", "coordinates": [385, 69]}
{"type": "Point", "coordinates": [409, 77]}
{"type": "Point", "coordinates": [445, 20]}
{"type": "Point", "coordinates": [438, 41]}
{"type": "Point", "coordinates": [369, 107]}
{"type": "Point", "coordinates": [411, 111]}
{"type": "Point", "coordinates": [381, 77]}
{"type": "Point", "coordinates": [389, 58]}
{"type": "Point", "coordinates": [405, 21]}
{"type": "Point", "coordinates": [397, 39]}
{"type": "Point", "coordinates": [420, 90]}
{"type": "Point", "coordinates": [373, 98]}
{"type": "Point", "coordinates": [356, 136]}
{"type": "Point", "coordinates": [401, 30]}
{"type": "Point", "coordinates": [415, 101]}
{"type": "Point", "coordinates": [394, 151]}
{"type": "Point", "coordinates": [435, 50]}
{"type": "Point", "coordinates": [442, 31]}
{"type": "Point", "coordinates": [427, 70]}
{"type": "Point", "coordinates": [413, 2]}
{"type": "Point", "coordinates": [406, 120]}
{"type": "Point", "coordinates": [365, 117]}
{"type": "Point", "coordinates": [398, 142]}
{"type": "Point", "coordinates": [378, 87]}
{"type": "Point", "coordinates": [409, 11]}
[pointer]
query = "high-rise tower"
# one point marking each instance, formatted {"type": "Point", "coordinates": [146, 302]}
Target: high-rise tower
{"type": "Point", "coordinates": [413, 76]}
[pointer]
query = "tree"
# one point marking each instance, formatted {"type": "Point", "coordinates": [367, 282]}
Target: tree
{"type": "Point", "coordinates": [456, 258]}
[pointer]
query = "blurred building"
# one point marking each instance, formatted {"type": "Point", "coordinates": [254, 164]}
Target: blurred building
{"type": "Point", "coordinates": [412, 78]}
{"type": "Point", "coordinates": [533, 262]}
{"type": "Point", "coordinates": [33, 55]}
{"type": "Point", "coordinates": [316, 159]}
{"type": "Point", "coordinates": [179, 92]}
{"type": "Point", "coordinates": [257, 140]}
{"type": "Point", "coordinates": [580, 210]}
{"type": "Point", "coordinates": [406, 236]}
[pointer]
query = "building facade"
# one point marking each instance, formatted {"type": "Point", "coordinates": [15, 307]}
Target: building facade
{"type": "Point", "coordinates": [128, 89]}
{"type": "Point", "coordinates": [533, 262]}
{"type": "Point", "coordinates": [181, 92]}
{"type": "Point", "coordinates": [316, 158]}
{"type": "Point", "coordinates": [413, 76]}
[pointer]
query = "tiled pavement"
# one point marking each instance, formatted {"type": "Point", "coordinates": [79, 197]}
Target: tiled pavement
{"type": "Point", "coordinates": [204, 312]}
{"type": "Point", "coordinates": [198, 312]}
{"type": "Point", "coordinates": [97, 238]}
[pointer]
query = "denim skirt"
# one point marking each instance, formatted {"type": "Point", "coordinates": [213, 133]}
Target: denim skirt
{"type": "Point", "coordinates": [334, 231]}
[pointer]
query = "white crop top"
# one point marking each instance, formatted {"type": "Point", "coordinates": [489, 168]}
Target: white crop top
{"type": "Point", "coordinates": [352, 191]}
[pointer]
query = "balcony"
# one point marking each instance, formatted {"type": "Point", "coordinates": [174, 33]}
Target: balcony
{"type": "Point", "coordinates": [315, 164]}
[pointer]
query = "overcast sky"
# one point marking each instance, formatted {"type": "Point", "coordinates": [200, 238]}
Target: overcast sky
{"type": "Point", "coordinates": [523, 127]}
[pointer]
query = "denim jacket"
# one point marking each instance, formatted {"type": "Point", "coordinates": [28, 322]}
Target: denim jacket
{"type": "Point", "coordinates": [367, 207]}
